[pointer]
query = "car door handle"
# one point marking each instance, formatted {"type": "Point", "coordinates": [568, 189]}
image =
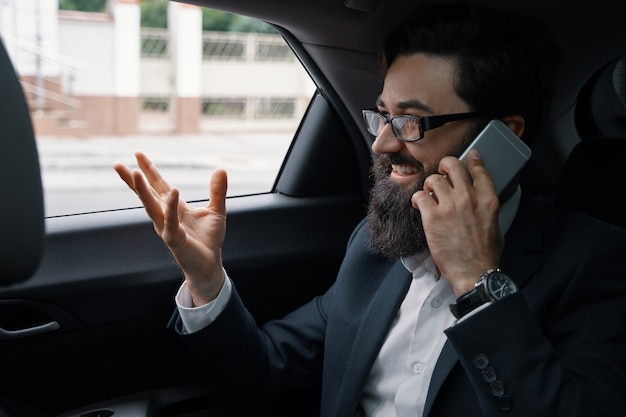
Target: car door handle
{"type": "Point", "coordinates": [28, 331]}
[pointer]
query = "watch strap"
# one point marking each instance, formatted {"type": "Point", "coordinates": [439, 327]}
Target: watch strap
{"type": "Point", "coordinates": [468, 302]}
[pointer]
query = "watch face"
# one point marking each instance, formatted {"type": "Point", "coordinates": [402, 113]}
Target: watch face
{"type": "Point", "coordinates": [499, 285]}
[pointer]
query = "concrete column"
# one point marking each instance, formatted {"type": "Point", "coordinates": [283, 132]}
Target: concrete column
{"type": "Point", "coordinates": [185, 46]}
{"type": "Point", "coordinates": [126, 65]}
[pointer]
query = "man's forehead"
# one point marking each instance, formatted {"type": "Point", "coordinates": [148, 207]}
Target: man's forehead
{"type": "Point", "coordinates": [420, 82]}
{"type": "Point", "coordinates": [403, 104]}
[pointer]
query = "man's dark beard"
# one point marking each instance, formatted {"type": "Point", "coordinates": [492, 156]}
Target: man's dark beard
{"type": "Point", "coordinates": [395, 227]}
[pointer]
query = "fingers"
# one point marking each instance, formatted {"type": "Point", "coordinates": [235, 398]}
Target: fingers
{"type": "Point", "coordinates": [455, 177]}
{"type": "Point", "coordinates": [152, 173]}
{"type": "Point", "coordinates": [460, 219]}
{"type": "Point", "coordinates": [453, 174]}
{"type": "Point", "coordinates": [124, 172]}
{"type": "Point", "coordinates": [217, 191]}
{"type": "Point", "coordinates": [171, 222]}
{"type": "Point", "coordinates": [480, 176]}
{"type": "Point", "coordinates": [150, 201]}
{"type": "Point", "coordinates": [148, 184]}
{"type": "Point", "coordinates": [424, 199]}
{"type": "Point", "coordinates": [162, 202]}
{"type": "Point", "coordinates": [149, 170]}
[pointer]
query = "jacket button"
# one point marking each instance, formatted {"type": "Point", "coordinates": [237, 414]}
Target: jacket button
{"type": "Point", "coordinates": [505, 403]}
{"type": "Point", "coordinates": [481, 361]}
{"type": "Point", "coordinates": [497, 388]}
{"type": "Point", "coordinates": [489, 375]}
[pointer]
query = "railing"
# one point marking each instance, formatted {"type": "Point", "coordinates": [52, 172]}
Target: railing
{"type": "Point", "coordinates": [66, 69]}
{"type": "Point", "coordinates": [225, 46]}
{"type": "Point", "coordinates": [154, 43]}
{"type": "Point", "coordinates": [257, 108]}
{"type": "Point", "coordinates": [49, 95]}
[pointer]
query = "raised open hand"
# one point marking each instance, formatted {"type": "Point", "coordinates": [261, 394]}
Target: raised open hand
{"type": "Point", "coordinates": [194, 235]}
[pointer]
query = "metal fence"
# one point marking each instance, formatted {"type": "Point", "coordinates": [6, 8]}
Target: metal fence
{"type": "Point", "coordinates": [225, 46]}
{"type": "Point", "coordinates": [258, 108]}
{"type": "Point", "coordinates": [154, 43]}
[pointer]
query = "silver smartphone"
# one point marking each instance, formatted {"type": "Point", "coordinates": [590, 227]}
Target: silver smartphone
{"type": "Point", "coordinates": [503, 153]}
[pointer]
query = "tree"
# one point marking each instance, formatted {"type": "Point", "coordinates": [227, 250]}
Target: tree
{"type": "Point", "coordinates": [83, 5]}
{"type": "Point", "coordinates": [227, 22]}
{"type": "Point", "coordinates": [248, 24]}
{"type": "Point", "coordinates": [217, 20]}
{"type": "Point", "coordinates": [153, 13]}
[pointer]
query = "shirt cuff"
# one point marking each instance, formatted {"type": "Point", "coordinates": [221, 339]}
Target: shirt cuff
{"type": "Point", "coordinates": [474, 311]}
{"type": "Point", "coordinates": [197, 318]}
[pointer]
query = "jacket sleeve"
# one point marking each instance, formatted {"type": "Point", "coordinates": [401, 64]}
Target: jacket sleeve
{"type": "Point", "coordinates": [558, 348]}
{"type": "Point", "coordinates": [255, 365]}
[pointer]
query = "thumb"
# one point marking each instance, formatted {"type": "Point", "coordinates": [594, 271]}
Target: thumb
{"type": "Point", "coordinates": [217, 191]}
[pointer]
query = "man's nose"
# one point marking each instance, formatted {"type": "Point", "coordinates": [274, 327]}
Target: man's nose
{"type": "Point", "coordinates": [386, 141]}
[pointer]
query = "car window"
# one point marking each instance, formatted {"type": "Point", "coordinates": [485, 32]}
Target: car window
{"type": "Point", "coordinates": [195, 89]}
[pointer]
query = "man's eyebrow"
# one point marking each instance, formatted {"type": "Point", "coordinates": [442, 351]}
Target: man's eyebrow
{"type": "Point", "coordinates": [405, 105]}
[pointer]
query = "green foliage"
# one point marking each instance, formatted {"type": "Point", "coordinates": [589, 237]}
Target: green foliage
{"type": "Point", "coordinates": [153, 13]}
{"type": "Point", "coordinates": [218, 20]}
{"type": "Point", "coordinates": [247, 24]}
{"type": "Point", "coordinates": [83, 5]}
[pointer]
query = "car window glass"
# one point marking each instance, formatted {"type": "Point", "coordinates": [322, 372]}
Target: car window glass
{"type": "Point", "coordinates": [195, 89]}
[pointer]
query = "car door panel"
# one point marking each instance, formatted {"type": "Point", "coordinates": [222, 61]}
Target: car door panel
{"type": "Point", "coordinates": [108, 282]}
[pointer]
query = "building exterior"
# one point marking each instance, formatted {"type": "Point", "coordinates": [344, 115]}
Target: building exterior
{"type": "Point", "coordinates": [102, 74]}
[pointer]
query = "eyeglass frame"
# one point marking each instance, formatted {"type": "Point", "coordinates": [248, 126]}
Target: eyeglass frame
{"type": "Point", "coordinates": [426, 123]}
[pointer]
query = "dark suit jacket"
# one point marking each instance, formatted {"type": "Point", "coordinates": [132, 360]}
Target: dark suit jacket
{"type": "Point", "coordinates": [556, 348]}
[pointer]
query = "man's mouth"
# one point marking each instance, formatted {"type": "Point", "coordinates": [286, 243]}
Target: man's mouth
{"type": "Point", "coordinates": [404, 169]}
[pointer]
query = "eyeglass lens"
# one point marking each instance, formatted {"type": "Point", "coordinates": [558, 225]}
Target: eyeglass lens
{"type": "Point", "coordinates": [404, 127]}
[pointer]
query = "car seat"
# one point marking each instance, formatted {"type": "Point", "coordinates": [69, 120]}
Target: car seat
{"type": "Point", "coordinates": [22, 227]}
{"type": "Point", "coordinates": [593, 179]}
{"type": "Point", "coordinates": [22, 208]}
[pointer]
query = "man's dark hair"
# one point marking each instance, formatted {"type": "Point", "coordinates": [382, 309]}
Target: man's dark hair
{"type": "Point", "coordinates": [505, 62]}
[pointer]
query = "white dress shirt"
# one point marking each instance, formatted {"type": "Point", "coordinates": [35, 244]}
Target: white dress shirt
{"type": "Point", "coordinates": [398, 381]}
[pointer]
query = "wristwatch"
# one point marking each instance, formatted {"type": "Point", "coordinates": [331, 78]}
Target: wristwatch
{"type": "Point", "coordinates": [493, 285]}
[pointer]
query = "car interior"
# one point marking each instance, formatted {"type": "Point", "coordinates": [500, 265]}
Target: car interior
{"type": "Point", "coordinates": [85, 299]}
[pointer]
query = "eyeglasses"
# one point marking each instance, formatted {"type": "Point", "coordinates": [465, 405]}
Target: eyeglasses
{"type": "Point", "coordinates": [410, 128]}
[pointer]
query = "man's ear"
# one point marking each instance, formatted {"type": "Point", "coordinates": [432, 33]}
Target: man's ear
{"type": "Point", "coordinates": [515, 123]}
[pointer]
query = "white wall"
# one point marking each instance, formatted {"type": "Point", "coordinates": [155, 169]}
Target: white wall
{"type": "Point", "coordinates": [91, 41]}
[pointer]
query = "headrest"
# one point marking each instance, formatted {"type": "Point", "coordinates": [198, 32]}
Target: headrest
{"type": "Point", "coordinates": [21, 207]}
{"type": "Point", "coordinates": [594, 180]}
{"type": "Point", "coordinates": [601, 105]}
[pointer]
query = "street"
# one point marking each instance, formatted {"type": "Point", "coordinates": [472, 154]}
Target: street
{"type": "Point", "coordinates": [78, 177]}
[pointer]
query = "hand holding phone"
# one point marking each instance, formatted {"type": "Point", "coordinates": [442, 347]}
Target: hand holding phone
{"type": "Point", "coordinates": [503, 153]}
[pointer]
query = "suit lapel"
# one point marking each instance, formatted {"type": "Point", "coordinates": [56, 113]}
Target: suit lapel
{"type": "Point", "coordinates": [445, 363]}
{"type": "Point", "coordinates": [370, 336]}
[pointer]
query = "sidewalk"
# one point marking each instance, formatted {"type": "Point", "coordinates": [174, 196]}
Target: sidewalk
{"type": "Point", "coordinates": [75, 172]}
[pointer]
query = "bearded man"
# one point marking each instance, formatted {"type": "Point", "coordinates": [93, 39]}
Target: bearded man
{"type": "Point", "coordinates": [527, 332]}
